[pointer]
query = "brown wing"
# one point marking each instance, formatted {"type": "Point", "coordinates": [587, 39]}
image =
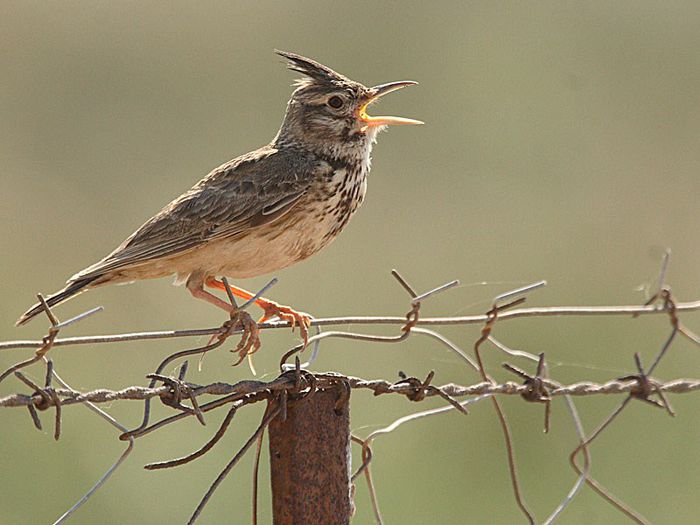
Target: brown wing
{"type": "Point", "coordinates": [249, 191]}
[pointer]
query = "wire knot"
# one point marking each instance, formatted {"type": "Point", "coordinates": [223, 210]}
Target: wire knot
{"type": "Point", "coordinates": [646, 386]}
{"type": "Point", "coordinates": [304, 382]}
{"type": "Point", "coordinates": [418, 388]}
{"type": "Point", "coordinates": [178, 390]}
{"type": "Point", "coordinates": [43, 398]}
{"type": "Point", "coordinates": [536, 391]}
{"type": "Point", "coordinates": [412, 317]}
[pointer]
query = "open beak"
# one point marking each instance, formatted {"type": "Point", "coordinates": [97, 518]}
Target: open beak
{"type": "Point", "coordinates": [379, 91]}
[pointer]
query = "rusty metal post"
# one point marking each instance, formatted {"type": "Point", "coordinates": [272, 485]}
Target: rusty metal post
{"type": "Point", "coordinates": [310, 460]}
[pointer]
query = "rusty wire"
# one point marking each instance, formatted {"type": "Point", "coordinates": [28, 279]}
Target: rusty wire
{"type": "Point", "coordinates": [230, 392]}
{"type": "Point", "coordinates": [296, 380]}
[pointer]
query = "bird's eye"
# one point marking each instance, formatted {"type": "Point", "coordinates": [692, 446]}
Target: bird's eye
{"type": "Point", "coordinates": [335, 102]}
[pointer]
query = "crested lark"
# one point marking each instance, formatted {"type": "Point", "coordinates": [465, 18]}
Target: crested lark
{"type": "Point", "coordinates": [264, 210]}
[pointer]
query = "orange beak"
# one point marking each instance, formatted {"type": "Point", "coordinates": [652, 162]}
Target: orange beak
{"type": "Point", "coordinates": [379, 91]}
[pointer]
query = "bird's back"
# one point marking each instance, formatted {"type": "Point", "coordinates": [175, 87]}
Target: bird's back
{"type": "Point", "coordinates": [236, 198]}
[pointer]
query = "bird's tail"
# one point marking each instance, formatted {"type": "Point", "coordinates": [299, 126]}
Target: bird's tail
{"type": "Point", "coordinates": [72, 289]}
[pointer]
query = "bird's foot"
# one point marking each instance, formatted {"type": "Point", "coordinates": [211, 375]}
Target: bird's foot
{"type": "Point", "coordinates": [285, 313]}
{"type": "Point", "coordinates": [271, 308]}
{"type": "Point", "coordinates": [250, 338]}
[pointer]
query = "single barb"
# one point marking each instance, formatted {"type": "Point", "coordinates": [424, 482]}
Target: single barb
{"type": "Point", "coordinates": [79, 317]}
{"type": "Point", "coordinates": [647, 387]}
{"type": "Point", "coordinates": [538, 392]}
{"type": "Point", "coordinates": [516, 292]}
{"type": "Point", "coordinates": [436, 291]}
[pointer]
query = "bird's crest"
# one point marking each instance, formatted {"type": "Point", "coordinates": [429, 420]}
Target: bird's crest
{"type": "Point", "coordinates": [314, 72]}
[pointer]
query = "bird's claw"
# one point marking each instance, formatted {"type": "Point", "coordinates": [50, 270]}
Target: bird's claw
{"type": "Point", "coordinates": [293, 317]}
{"type": "Point", "coordinates": [250, 338]}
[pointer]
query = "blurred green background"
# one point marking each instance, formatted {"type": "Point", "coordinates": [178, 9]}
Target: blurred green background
{"type": "Point", "coordinates": [562, 143]}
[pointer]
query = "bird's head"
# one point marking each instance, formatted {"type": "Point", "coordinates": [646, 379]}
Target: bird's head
{"type": "Point", "coordinates": [329, 110]}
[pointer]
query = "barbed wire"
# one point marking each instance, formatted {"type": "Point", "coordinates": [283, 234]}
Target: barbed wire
{"type": "Point", "coordinates": [326, 379]}
{"type": "Point", "coordinates": [295, 380]}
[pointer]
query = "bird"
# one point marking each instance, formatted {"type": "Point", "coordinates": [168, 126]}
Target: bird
{"type": "Point", "coordinates": [262, 211]}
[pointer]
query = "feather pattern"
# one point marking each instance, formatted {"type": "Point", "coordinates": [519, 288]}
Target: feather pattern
{"type": "Point", "coordinates": [228, 201]}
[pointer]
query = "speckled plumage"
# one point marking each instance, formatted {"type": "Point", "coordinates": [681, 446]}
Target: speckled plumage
{"type": "Point", "coordinates": [264, 210]}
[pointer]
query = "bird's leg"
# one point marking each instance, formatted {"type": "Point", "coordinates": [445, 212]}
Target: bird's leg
{"type": "Point", "coordinates": [270, 308]}
{"type": "Point", "coordinates": [250, 340]}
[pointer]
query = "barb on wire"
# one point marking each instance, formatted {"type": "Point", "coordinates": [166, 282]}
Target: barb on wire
{"type": "Point", "coordinates": [516, 292]}
{"type": "Point", "coordinates": [421, 388]}
{"type": "Point", "coordinates": [537, 390]}
{"type": "Point", "coordinates": [647, 386]}
{"type": "Point", "coordinates": [660, 281]}
{"type": "Point", "coordinates": [46, 397]}
{"type": "Point", "coordinates": [434, 291]}
{"type": "Point", "coordinates": [229, 292]}
{"type": "Point", "coordinates": [35, 416]}
{"type": "Point", "coordinates": [406, 286]}
{"type": "Point", "coordinates": [78, 317]}
{"type": "Point", "coordinates": [177, 390]}
{"type": "Point", "coordinates": [668, 303]}
{"type": "Point", "coordinates": [260, 292]}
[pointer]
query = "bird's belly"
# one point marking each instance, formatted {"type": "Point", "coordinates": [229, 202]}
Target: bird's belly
{"type": "Point", "coordinates": [262, 252]}
{"type": "Point", "coordinates": [267, 249]}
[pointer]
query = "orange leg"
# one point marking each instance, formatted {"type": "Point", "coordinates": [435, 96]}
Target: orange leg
{"type": "Point", "coordinates": [270, 308]}
{"type": "Point", "coordinates": [250, 341]}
